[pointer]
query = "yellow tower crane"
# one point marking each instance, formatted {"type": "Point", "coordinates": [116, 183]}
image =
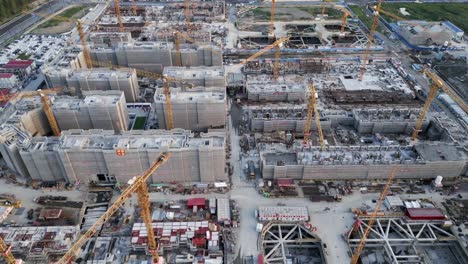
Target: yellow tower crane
{"type": "Point", "coordinates": [312, 106]}
{"type": "Point", "coordinates": [119, 15]}
{"type": "Point", "coordinates": [324, 7]}
{"type": "Point", "coordinates": [375, 23]}
{"type": "Point", "coordinates": [81, 34]}
{"type": "Point", "coordinates": [134, 7]}
{"type": "Point", "coordinates": [187, 14]}
{"type": "Point", "coordinates": [139, 187]}
{"type": "Point", "coordinates": [86, 52]}
{"type": "Point", "coordinates": [344, 18]}
{"type": "Point", "coordinates": [277, 47]}
{"type": "Point", "coordinates": [6, 252]}
{"type": "Point", "coordinates": [263, 51]}
{"type": "Point", "coordinates": [46, 104]}
{"type": "Point", "coordinates": [373, 216]}
{"type": "Point", "coordinates": [152, 75]}
{"type": "Point", "coordinates": [437, 83]}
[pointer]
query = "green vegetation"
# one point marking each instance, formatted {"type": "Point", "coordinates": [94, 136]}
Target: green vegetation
{"type": "Point", "coordinates": [456, 13]}
{"type": "Point", "coordinates": [260, 13]}
{"type": "Point", "coordinates": [139, 123]}
{"type": "Point", "coordinates": [11, 8]}
{"type": "Point", "coordinates": [317, 10]}
{"type": "Point", "coordinates": [71, 13]}
{"type": "Point", "coordinates": [361, 14]}
{"type": "Point", "coordinates": [23, 56]}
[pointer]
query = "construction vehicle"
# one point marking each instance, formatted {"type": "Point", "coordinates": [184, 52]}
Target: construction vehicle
{"type": "Point", "coordinates": [373, 216]}
{"type": "Point", "coordinates": [9, 201]}
{"type": "Point", "coordinates": [47, 105]}
{"type": "Point", "coordinates": [139, 186]}
{"type": "Point", "coordinates": [313, 107]}
{"type": "Point", "coordinates": [375, 23]}
{"type": "Point", "coordinates": [437, 83]}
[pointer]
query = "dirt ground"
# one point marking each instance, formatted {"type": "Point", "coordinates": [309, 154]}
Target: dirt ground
{"type": "Point", "coordinates": [59, 29]}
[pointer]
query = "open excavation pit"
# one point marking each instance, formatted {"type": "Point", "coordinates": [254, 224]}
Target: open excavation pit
{"type": "Point", "coordinates": [290, 243]}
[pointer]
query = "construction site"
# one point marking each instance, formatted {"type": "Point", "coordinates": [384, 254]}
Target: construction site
{"type": "Point", "coordinates": [222, 133]}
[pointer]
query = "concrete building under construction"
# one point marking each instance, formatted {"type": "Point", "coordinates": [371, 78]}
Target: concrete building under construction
{"type": "Point", "coordinates": [154, 56]}
{"type": "Point", "coordinates": [397, 121]}
{"type": "Point", "coordinates": [97, 155]}
{"type": "Point", "coordinates": [283, 117]}
{"type": "Point", "coordinates": [196, 76]}
{"type": "Point", "coordinates": [105, 110]}
{"type": "Point", "coordinates": [262, 88]}
{"type": "Point", "coordinates": [196, 111]}
{"type": "Point", "coordinates": [12, 139]}
{"type": "Point", "coordinates": [421, 161]}
{"type": "Point", "coordinates": [39, 244]}
{"type": "Point", "coordinates": [124, 80]}
{"type": "Point", "coordinates": [102, 79]}
{"type": "Point", "coordinates": [29, 115]}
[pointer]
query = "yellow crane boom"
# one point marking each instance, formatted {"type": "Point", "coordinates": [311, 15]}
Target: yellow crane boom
{"type": "Point", "coordinates": [177, 46]}
{"type": "Point", "coordinates": [263, 51]}
{"type": "Point", "coordinates": [277, 47]}
{"type": "Point", "coordinates": [372, 218]}
{"type": "Point", "coordinates": [136, 186]}
{"type": "Point", "coordinates": [167, 89]}
{"type": "Point", "coordinates": [344, 18]}
{"type": "Point", "coordinates": [6, 252]}
{"type": "Point", "coordinates": [46, 104]}
{"type": "Point", "coordinates": [437, 83]}
{"type": "Point", "coordinates": [86, 52]}
{"type": "Point", "coordinates": [187, 14]}
{"type": "Point", "coordinates": [375, 23]}
{"type": "Point", "coordinates": [134, 7]}
{"type": "Point", "coordinates": [119, 15]}
{"type": "Point", "coordinates": [313, 107]}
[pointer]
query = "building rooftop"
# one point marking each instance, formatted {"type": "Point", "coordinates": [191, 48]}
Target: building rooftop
{"type": "Point", "coordinates": [6, 75]}
{"type": "Point", "coordinates": [193, 72]}
{"type": "Point", "coordinates": [452, 27]}
{"type": "Point", "coordinates": [101, 73]}
{"type": "Point", "coordinates": [18, 64]}
{"type": "Point", "coordinates": [364, 155]}
{"type": "Point", "coordinates": [387, 114]}
{"type": "Point", "coordinates": [148, 139]}
{"type": "Point", "coordinates": [439, 152]}
{"type": "Point", "coordinates": [262, 87]}
{"type": "Point", "coordinates": [40, 240]}
{"type": "Point", "coordinates": [182, 96]}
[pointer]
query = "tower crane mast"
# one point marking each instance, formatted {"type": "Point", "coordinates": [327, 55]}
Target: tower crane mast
{"type": "Point", "coordinates": [375, 23]}
{"type": "Point", "coordinates": [187, 14]}
{"type": "Point", "coordinates": [134, 7]}
{"type": "Point", "coordinates": [437, 83]}
{"type": "Point", "coordinates": [167, 89]}
{"type": "Point", "coordinates": [5, 250]}
{"type": "Point", "coordinates": [84, 44]}
{"type": "Point", "coordinates": [119, 15]}
{"type": "Point", "coordinates": [371, 221]}
{"type": "Point", "coordinates": [312, 107]}
{"type": "Point", "coordinates": [272, 33]}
